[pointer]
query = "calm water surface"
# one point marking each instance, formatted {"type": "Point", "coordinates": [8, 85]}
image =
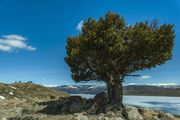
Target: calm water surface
{"type": "Point", "coordinates": [167, 104]}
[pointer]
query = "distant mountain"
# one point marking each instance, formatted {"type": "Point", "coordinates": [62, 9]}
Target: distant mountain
{"type": "Point", "coordinates": [80, 89]}
{"type": "Point", "coordinates": [147, 90]}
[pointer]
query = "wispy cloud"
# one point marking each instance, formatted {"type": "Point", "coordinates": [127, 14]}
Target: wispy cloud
{"type": "Point", "coordinates": [79, 25]}
{"type": "Point", "coordinates": [9, 43]}
{"type": "Point", "coordinates": [163, 84]}
{"type": "Point", "coordinates": [50, 85]}
{"type": "Point", "coordinates": [144, 77]}
{"type": "Point", "coordinates": [129, 84]}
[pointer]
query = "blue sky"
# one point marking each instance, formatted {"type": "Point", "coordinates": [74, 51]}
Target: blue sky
{"type": "Point", "coordinates": [33, 36]}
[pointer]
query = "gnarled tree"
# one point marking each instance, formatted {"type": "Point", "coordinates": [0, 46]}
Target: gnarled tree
{"type": "Point", "coordinates": [108, 49]}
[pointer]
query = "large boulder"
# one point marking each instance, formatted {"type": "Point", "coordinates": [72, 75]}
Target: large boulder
{"type": "Point", "coordinates": [64, 108]}
{"type": "Point", "coordinates": [72, 104]}
{"type": "Point", "coordinates": [89, 103]}
{"type": "Point", "coordinates": [73, 99]}
{"type": "Point", "coordinates": [76, 107]}
{"type": "Point", "coordinates": [99, 102]}
{"type": "Point", "coordinates": [101, 99]}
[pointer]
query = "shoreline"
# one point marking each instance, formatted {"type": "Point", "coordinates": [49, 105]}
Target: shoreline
{"type": "Point", "coordinates": [132, 95]}
{"type": "Point", "coordinates": [163, 103]}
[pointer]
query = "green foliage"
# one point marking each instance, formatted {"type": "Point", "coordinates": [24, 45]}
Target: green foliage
{"type": "Point", "coordinates": [110, 47]}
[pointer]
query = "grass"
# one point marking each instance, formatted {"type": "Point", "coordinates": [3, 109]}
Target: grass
{"type": "Point", "coordinates": [29, 91]}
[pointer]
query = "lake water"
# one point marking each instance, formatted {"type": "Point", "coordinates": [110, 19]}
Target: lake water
{"type": "Point", "coordinates": [166, 104]}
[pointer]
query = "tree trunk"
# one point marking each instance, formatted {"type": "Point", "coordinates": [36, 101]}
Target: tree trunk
{"type": "Point", "coordinates": [118, 93]}
{"type": "Point", "coordinates": [115, 92]}
{"type": "Point", "coordinates": [111, 92]}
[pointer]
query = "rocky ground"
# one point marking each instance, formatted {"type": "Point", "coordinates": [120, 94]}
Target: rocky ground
{"type": "Point", "coordinates": [23, 110]}
{"type": "Point", "coordinates": [62, 107]}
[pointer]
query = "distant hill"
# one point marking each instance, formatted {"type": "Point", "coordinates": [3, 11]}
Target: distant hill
{"type": "Point", "coordinates": [147, 90]}
{"type": "Point", "coordinates": [28, 91]}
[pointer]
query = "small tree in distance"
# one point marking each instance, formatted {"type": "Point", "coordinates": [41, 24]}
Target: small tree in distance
{"type": "Point", "coordinates": [108, 49]}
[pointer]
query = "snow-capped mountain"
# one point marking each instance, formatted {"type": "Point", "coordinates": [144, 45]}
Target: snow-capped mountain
{"type": "Point", "coordinates": [132, 89]}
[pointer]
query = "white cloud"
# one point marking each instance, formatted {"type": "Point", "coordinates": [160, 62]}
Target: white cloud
{"type": "Point", "coordinates": [132, 83]}
{"type": "Point", "coordinates": [163, 84]}
{"type": "Point", "coordinates": [14, 37]}
{"type": "Point", "coordinates": [129, 84]}
{"type": "Point", "coordinates": [50, 85]}
{"type": "Point", "coordinates": [144, 77]}
{"type": "Point", "coordinates": [9, 43]}
{"type": "Point", "coordinates": [79, 26]}
{"type": "Point", "coordinates": [4, 48]}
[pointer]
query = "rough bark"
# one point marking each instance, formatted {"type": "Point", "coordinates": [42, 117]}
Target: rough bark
{"type": "Point", "coordinates": [118, 93]}
{"type": "Point", "coordinates": [115, 92]}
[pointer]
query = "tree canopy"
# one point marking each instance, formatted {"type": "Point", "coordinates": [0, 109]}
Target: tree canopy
{"type": "Point", "coordinates": [110, 47]}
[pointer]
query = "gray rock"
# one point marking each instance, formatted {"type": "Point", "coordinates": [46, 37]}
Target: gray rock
{"type": "Point", "coordinates": [101, 116]}
{"type": "Point", "coordinates": [4, 118]}
{"type": "Point", "coordinates": [170, 116]}
{"type": "Point", "coordinates": [19, 110]}
{"type": "Point", "coordinates": [165, 116]}
{"type": "Point", "coordinates": [110, 114]}
{"type": "Point", "coordinates": [64, 108]}
{"type": "Point", "coordinates": [81, 117]}
{"type": "Point", "coordinates": [73, 99]}
{"type": "Point", "coordinates": [106, 118]}
{"type": "Point", "coordinates": [150, 114]}
{"type": "Point", "coordinates": [101, 99]}
{"type": "Point", "coordinates": [76, 107]}
{"type": "Point", "coordinates": [99, 102]}
{"type": "Point", "coordinates": [93, 110]}
{"type": "Point", "coordinates": [131, 113]}
{"type": "Point", "coordinates": [155, 118]}
{"type": "Point", "coordinates": [108, 108]}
